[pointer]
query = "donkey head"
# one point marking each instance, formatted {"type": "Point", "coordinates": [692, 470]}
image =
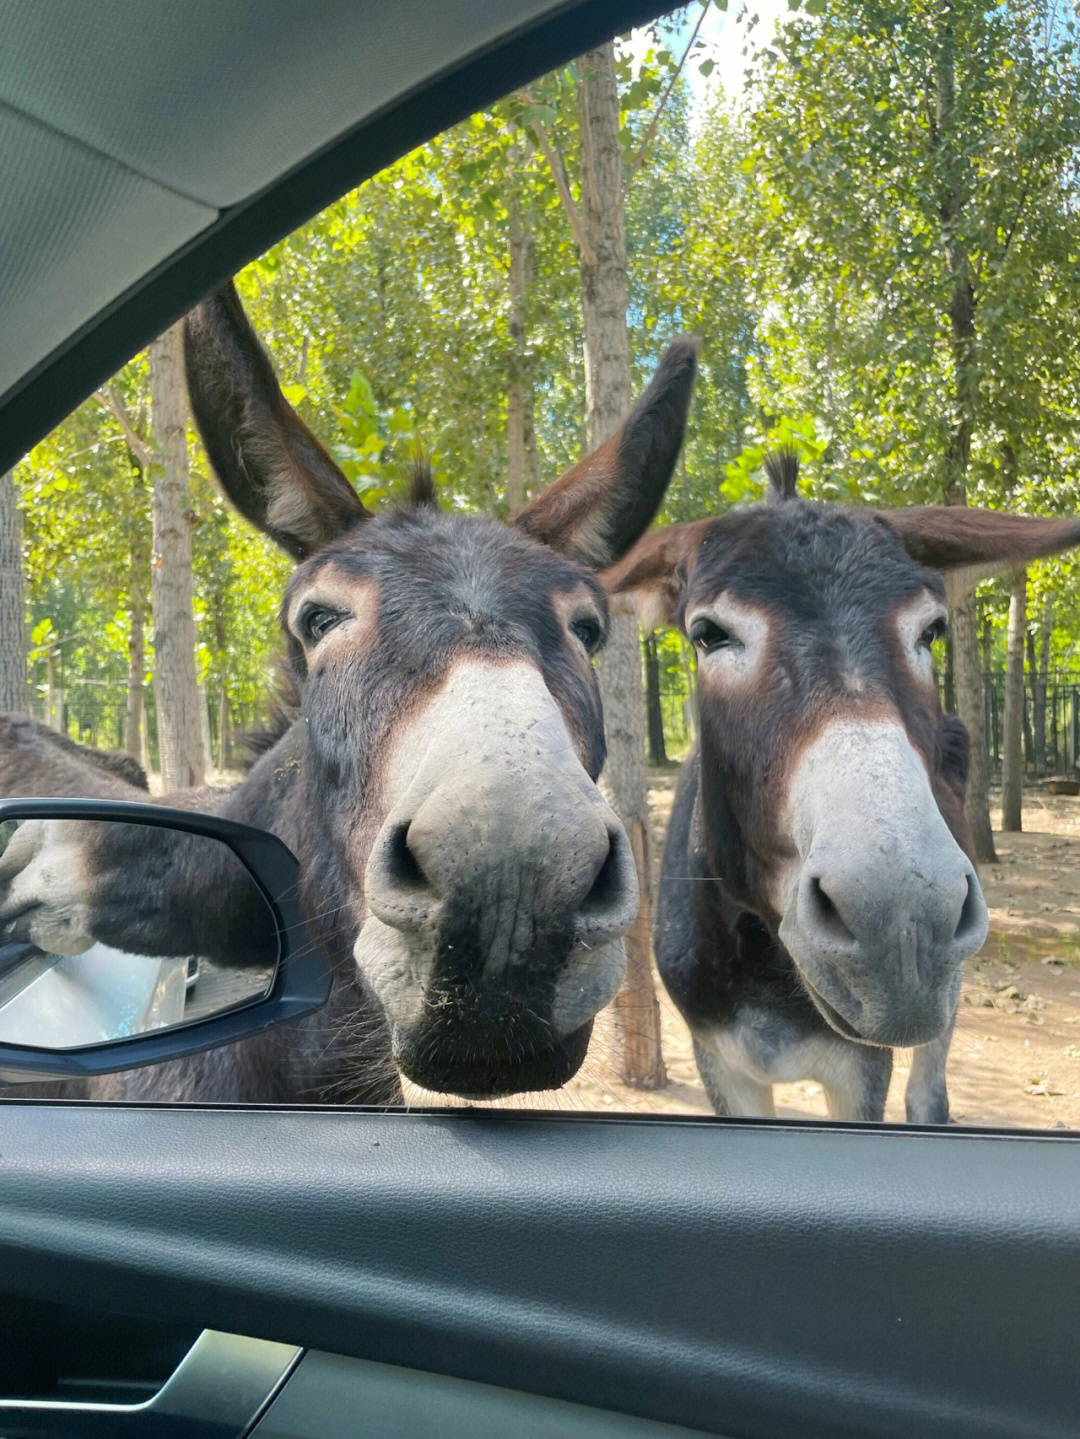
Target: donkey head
{"type": "Point", "coordinates": [451, 731]}
{"type": "Point", "coordinates": [832, 786]}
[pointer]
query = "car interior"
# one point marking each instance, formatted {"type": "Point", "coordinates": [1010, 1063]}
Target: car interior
{"type": "Point", "coordinates": [306, 1272]}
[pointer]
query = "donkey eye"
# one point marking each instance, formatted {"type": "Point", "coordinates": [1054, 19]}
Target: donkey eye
{"type": "Point", "coordinates": [317, 621]}
{"type": "Point", "coordinates": [932, 633]}
{"type": "Point", "coordinates": [589, 631]}
{"type": "Point", "coordinates": [708, 636]}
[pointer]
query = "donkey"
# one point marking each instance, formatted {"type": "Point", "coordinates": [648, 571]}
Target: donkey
{"type": "Point", "coordinates": [459, 867]}
{"type": "Point", "coordinates": [818, 896]}
{"type": "Point", "coordinates": [34, 758]}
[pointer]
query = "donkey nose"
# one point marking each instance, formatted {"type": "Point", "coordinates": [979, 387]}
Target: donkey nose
{"type": "Point", "coordinates": [970, 933]}
{"type": "Point", "coordinates": [610, 901]}
{"type": "Point", "coordinates": [504, 845]}
{"type": "Point", "coordinates": [850, 910]}
{"type": "Point", "coordinates": [396, 886]}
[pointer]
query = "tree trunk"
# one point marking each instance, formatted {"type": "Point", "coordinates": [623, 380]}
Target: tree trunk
{"type": "Point", "coordinates": [1040, 675]}
{"type": "Point", "coordinates": [689, 709]}
{"type": "Point", "coordinates": [134, 716]}
{"type": "Point", "coordinates": [53, 701]}
{"type": "Point", "coordinates": [224, 736]}
{"type": "Point", "coordinates": [1029, 738]}
{"type": "Point", "coordinates": [204, 722]}
{"type": "Point", "coordinates": [971, 707]}
{"type": "Point", "coordinates": [516, 459]}
{"type": "Point", "coordinates": [608, 396]}
{"type": "Point", "coordinates": [654, 712]}
{"type": "Point", "coordinates": [179, 704]}
{"type": "Point", "coordinates": [970, 695]}
{"type": "Point", "coordinates": [950, 675]}
{"type": "Point", "coordinates": [13, 693]}
{"type": "Point", "coordinates": [1012, 761]}
{"type": "Point", "coordinates": [223, 693]}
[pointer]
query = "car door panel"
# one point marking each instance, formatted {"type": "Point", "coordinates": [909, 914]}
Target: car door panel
{"type": "Point", "coordinates": [219, 1390]}
{"type": "Point", "coordinates": [735, 1277]}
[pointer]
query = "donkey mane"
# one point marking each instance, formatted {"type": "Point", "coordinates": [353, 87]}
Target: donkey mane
{"type": "Point", "coordinates": [422, 486]}
{"type": "Point", "coordinates": [782, 470]}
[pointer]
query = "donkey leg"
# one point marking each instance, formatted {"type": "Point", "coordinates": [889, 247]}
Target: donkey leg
{"type": "Point", "coordinates": [926, 1098]}
{"type": "Point", "coordinates": [731, 1090]}
{"type": "Point", "coordinates": [857, 1081]}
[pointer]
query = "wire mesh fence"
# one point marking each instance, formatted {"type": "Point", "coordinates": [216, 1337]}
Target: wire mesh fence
{"type": "Point", "coordinates": [1051, 719]}
{"type": "Point", "coordinates": [92, 711]}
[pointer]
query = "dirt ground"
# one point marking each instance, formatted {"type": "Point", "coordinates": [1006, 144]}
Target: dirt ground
{"type": "Point", "coordinates": [1015, 1058]}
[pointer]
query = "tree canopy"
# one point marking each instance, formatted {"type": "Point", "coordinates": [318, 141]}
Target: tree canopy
{"type": "Point", "coordinates": [877, 242]}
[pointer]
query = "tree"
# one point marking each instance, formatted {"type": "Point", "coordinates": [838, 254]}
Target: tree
{"type": "Point", "coordinates": [519, 384]}
{"type": "Point", "coordinates": [1012, 763]}
{"type": "Point", "coordinates": [654, 713]}
{"type": "Point", "coordinates": [179, 702]}
{"type": "Point", "coordinates": [13, 695]}
{"type": "Point", "coordinates": [599, 230]}
{"type": "Point", "coordinates": [1038, 668]}
{"type": "Point", "coordinates": [141, 456]}
{"type": "Point", "coordinates": [913, 207]}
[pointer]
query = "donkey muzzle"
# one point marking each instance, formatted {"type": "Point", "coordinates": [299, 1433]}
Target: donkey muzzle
{"type": "Point", "coordinates": [498, 891]}
{"type": "Point", "coordinates": [881, 948]}
{"type": "Point", "coordinates": [883, 906]}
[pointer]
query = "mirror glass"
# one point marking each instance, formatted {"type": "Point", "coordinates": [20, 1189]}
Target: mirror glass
{"type": "Point", "coordinates": [99, 939]}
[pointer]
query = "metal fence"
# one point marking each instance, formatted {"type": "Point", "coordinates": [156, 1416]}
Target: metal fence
{"type": "Point", "coordinates": [1051, 721]}
{"type": "Point", "coordinates": [91, 711]}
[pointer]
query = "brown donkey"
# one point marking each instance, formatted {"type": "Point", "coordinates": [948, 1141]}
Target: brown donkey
{"type": "Point", "coordinates": [459, 867]}
{"type": "Point", "coordinates": [817, 898]}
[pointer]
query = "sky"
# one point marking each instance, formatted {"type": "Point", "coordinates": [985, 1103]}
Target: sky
{"type": "Point", "coordinates": [726, 34]}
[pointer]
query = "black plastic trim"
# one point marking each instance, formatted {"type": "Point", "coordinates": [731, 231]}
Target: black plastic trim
{"type": "Point", "coordinates": [302, 983]}
{"type": "Point", "coordinates": [220, 1390]}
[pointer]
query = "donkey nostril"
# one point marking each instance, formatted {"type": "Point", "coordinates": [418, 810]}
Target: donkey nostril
{"type": "Point", "coordinates": [971, 916]}
{"type": "Point", "coordinates": [402, 867]}
{"type": "Point", "coordinates": [606, 888]}
{"type": "Point", "coordinates": [609, 907]}
{"type": "Point", "coordinates": [825, 913]}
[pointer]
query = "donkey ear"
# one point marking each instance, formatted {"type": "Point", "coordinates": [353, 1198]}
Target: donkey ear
{"type": "Point", "coordinates": [969, 545]}
{"type": "Point", "coordinates": [649, 581]}
{"type": "Point", "coordinates": [268, 462]}
{"type": "Point", "coordinates": [597, 510]}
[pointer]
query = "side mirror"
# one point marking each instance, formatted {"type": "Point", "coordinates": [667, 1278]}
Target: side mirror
{"type": "Point", "coordinates": [133, 933]}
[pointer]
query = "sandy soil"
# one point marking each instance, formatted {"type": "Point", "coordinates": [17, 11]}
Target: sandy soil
{"type": "Point", "coordinates": [1015, 1059]}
